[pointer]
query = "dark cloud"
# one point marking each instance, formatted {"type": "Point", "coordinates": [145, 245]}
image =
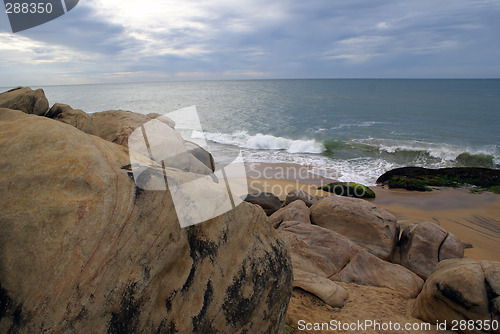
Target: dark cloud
{"type": "Point", "coordinates": [287, 38]}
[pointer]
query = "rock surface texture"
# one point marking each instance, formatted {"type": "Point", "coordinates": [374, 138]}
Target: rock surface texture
{"type": "Point", "coordinates": [83, 250]}
{"type": "Point", "coordinates": [362, 222]}
{"type": "Point", "coordinates": [461, 290]}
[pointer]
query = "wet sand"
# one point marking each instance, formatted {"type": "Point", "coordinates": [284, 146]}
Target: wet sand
{"type": "Point", "coordinates": [473, 217]}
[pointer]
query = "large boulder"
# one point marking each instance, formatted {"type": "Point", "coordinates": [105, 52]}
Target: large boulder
{"type": "Point", "coordinates": [361, 221]}
{"type": "Point", "coordinates": [295, 211]}
{"type": "Point", "coordinates": [25, 99]}
{"type": "Point", "coordinates": [328, 254]}
{"type": "Point", "coordinates": [83, 250]}
{"type": "Point", "coordinates": [302, 195]}
{"type": "Point", "coordinates": [461, 290]}
{"type": "Point", "coordinates": [267, 201]}
{"type": "Point", "coordinates": [116, 125]}
{"type": "Point", "coordinates": [425, 244]}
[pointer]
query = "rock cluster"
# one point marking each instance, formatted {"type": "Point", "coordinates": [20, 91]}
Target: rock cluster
{"type": "Point", "coordinates": [82, 249]}
{"type": "Point", "coordinates": [351, 240]}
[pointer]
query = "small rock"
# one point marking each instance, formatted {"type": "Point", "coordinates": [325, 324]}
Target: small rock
{"type": "Point", "coordinates": [57, 109]}
{"type": "Point", "coordinates": [328, 291]}
{"type": "Point", "coordinates": [302, 195]}
{"type": "Point", "coordinates": [295, 211]}
{"type": "Point", "coordinates": [268, 201]}
{"type": "Point", "coordinates": [349, 189]}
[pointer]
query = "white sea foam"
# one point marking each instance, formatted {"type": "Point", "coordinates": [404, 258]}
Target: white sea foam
{"type": "Point", "coordinates": [262, 142]}
{"type": "Point", "coordinates": [361, 170]}
{"type": "Point", "coordinates": [445, 152]}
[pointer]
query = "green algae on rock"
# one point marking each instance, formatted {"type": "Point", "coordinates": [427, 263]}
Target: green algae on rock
{"type": "Point", "coordinates": [349, 189]}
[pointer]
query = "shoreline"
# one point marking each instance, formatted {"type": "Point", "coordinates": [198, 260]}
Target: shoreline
{"type": "Point", "coordinates": [472, 217]}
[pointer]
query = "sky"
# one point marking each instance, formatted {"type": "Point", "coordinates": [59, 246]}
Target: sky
{"type": "Point", "coordinates": [113, 41]}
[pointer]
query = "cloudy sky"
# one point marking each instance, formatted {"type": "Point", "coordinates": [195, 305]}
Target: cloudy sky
{"type": "Point", "coordinates": [159, 40]}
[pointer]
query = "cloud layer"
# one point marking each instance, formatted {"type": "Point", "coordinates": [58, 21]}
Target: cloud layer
{"type": "Point", "coordinates": [127, 40]}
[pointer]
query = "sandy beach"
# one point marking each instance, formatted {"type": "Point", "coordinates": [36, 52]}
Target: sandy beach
{"type": "Point", "coordinates": [473, 217]}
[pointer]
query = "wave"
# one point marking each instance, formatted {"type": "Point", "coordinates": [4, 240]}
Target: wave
{"type": "Point", "coordinates": [414, 152]}
{"type": "Point", "coordinates": [261, 142]}
{"type": "Point", "coordinates": [357, 160]}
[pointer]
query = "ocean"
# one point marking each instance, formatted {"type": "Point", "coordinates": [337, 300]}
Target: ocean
{"type": "Point", "coordinates": [353, 129]}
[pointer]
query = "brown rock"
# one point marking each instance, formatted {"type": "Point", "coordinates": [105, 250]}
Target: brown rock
{"type": "Point", "coordinates": [359, 220]}
{"type": "Point", "coordinates": [461, 290]}
{"type": "Point", "coordinates": [302, 195]}
{"type": "Point", "coordinates": [306, 258]}
{"type": "Point", "coordinates": [367, 269]}
{"type": "Point", "coordinates": [57, 109]}
{"type": "Point", "coordinates": [295, 211]}
{"type": "Point", "coordinates": [25, 99]}
{"type": "Point", "coordinates": [79, 119]}
{"type": "Point", "coordinates": [116, 125]}
{"type": "Point", "coordinates": [424, 244]}
{"type": "Point", "coordinates": [83, 250]}
{"type": "Point", "coordinates": [336, 249]}
{"type": "Point", "coordinates": [328, 291]}
{"type": "Point", "coordinates": [268, 201]}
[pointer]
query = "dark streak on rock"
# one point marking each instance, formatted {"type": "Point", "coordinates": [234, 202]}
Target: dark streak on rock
{"type": "Point", "coordinates": [454, 295]}
{"type": "Point", "coordinates": [5, 302]}
{"type": "Point", "coordinates": [199, 249]}
{"type": "Point", "coordinates": [127, 319]}
{"type": "Point", "coordinates": [8, 309]}
{"type": "Point", "coordinates": [200, 323]}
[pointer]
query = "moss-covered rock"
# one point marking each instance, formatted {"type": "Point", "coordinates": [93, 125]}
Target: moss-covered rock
{"type": "Point", "coordinates": [349, 189]}
{"type": "Point", "coordinates": [421, 179]}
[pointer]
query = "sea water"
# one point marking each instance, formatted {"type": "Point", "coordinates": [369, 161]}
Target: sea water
{"type": "Point", "coordinates": [357, 129]}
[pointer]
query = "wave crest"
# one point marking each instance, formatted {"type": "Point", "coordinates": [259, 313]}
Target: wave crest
{"type": "Point", "coordinates": [261, 141]}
